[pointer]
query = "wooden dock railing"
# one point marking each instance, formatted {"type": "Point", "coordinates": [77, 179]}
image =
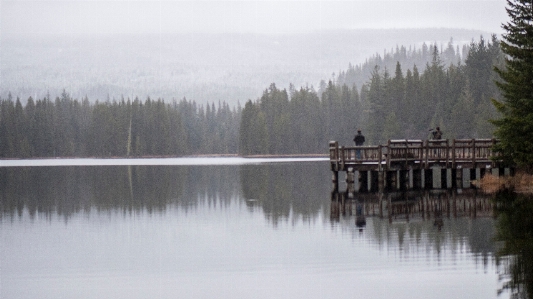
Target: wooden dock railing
{"type": "Point", "coordinates": [413, 154]}
{"type": "Point", "coordinates": [404, 151]}
{"type": "Point", "coordinates": [343, 156]}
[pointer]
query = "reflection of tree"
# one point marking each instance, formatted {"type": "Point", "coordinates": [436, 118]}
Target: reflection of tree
{"type": "Point", "coordinates": [282, 189]}
{"type": "Point", "coordinates": [67, 190]}
{"type": "Point", "coordinates": [515, 231]}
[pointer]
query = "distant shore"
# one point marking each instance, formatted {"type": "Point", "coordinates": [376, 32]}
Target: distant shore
{"type": "Point", "coordinates": [189, 156]}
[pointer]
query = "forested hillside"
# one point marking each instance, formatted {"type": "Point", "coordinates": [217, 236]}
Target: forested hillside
{"type": "Point", "coordinates": [397, 105]}
{"type": "Point", "coordinates": [402, 104]}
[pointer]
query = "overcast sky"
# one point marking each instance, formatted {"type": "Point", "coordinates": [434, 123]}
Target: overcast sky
{"type": "Point", "coordinates": [124, 16]}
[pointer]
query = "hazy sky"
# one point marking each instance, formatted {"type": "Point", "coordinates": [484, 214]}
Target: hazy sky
{"type": "Point", "coordinates": [124, 16]}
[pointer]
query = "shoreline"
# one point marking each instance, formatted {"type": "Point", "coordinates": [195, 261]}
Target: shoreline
{"type": "Point", "coordinates": [180, 157]}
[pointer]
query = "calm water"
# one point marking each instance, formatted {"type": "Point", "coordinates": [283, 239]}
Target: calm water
{"type": "Point", "coordinates": [238, 230]}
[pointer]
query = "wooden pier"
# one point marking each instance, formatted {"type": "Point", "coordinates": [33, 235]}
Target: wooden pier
{"type": "Point", "coordinates": [414, 164]}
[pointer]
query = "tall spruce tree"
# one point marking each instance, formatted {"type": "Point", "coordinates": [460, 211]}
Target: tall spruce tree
{"type": "Point", "coordinates": [515, 127]}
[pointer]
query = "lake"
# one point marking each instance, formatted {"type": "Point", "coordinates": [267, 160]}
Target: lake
{"type": "Point", "coordinates": [233, 228]}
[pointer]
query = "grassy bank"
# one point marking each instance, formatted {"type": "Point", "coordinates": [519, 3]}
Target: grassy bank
{"type": "Point", "coordinates": [520, 183]}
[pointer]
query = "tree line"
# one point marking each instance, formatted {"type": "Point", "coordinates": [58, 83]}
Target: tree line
{"type": "Point", "coordinates": [66, 127]}
{"type": "Point", "coordinates": [454, 96]}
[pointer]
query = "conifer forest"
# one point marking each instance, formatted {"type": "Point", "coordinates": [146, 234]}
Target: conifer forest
{"type": "Point", "coordinates": [402, 94]}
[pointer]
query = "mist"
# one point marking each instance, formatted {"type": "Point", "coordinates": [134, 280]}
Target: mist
{"type": "Point", "coordinates": [270, 17]}
{"type": "Point", "coordinates": [211, 51]}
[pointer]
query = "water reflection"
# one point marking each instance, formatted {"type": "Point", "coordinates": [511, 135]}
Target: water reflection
{"type": "Point", "coordinates": [68, 190]}
{"type": "Point", "coordinates": [278, 189]}
{"type": "Point", "coordinates": [437, 219]}
{"type": "Point", "coordinates": [515, 232]}
{"type": "Point", "coordinates": [414, 205]}
{"type": "Point", "coordinates": [202, 231]}
{"type": "Point", "coordinates": [282, 190]}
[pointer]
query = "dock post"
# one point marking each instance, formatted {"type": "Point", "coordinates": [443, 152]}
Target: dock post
{"type": "Point", "coordinates": [381, 179]}
{"type": "Point", "coordinates": [369, 180]}
{"type": "Point", "coordinates": [404, 179]}
{"type": "Point", "coordinates": [398, 180]}
{"type": "Point", "coordinates": [458, 177]}
{"type": "Point", "coordinates": [357, 180]}
{"type": "Point", "coordinates": [350, 179]}
{"type": "Point", "coordinates": [449, 179]}
{"type": "Point", "coordinates": [465, 178]}
{"type": "Point", "coordinates": [350, 174]}
{"type": "Point", "coordinates": [335, 180]}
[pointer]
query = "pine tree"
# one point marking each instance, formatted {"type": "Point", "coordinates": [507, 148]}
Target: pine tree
{"type": "Point", "coordinates": [7, 127]}
{"type": "Point", "coordinates": [373, 94]}
{"type": "Point", "coordinates": [306, 126]}
{"type": "Point", "coordinates": [398, 98]}
{"type": "Point", "coordinates": [253, 130]}
{"type": "Point", "coordinates": [515, 127]}
{"type": "Point", "coordinates": [412, 98]}
{"type": "Point", "coordinates": [461, 126]}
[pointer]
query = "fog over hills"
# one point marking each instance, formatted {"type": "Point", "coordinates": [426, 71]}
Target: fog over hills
{"type": "Point", "coordinates": [230, 67]}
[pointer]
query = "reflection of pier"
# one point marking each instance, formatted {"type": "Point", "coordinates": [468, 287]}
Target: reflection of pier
{"type": "Point", "coordinates": [414, 164]}
{"type": "Point", "coordinates": [412, 205]}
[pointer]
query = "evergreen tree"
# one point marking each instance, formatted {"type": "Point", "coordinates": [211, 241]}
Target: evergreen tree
{"type": "Point", "coordinates": [306, 126]}
{"type": "Point", "coordinates": [461, 126]}
{"type": "Point", "coordinates": [253, 131]}
{"type": "Point", "coordinates": [515, 127]}
{"type": "Point", "coordinates": [274, 104]}
{"type": "Point", "coordinates": [7, 128]}
{"type": "Point", "coordinates": [331, 107]}
{"type": "Point", "coordinates": [377, 109]}
{"type": "Point", "coordinates": [432, 97]}
{"type": "Point", "coordinates": [31, 125]}
{"type": "Point", "coordinates": [22, 144]}
{"type": "Point", "coordinates": [397, 89]}
{"type": "Point", "coordinates": [391, 129]}
{"type": "Point", "coordinates": [412, 97]}
{"type": "Point", "coordinates": [45, 117]}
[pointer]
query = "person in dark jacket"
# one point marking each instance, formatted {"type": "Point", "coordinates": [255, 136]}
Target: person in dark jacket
{"type": "Point", "coordinates": [436, 135]}
{"type": "Point", "coordinates": [359, 140]}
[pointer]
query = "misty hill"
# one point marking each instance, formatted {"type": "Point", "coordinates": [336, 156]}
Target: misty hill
{"type": "Point", "coordinates": [200, 67]}
{"type": "Point", "coordinates": [408, 57]}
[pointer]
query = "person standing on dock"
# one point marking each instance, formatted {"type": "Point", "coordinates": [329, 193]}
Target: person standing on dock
{"type": "Point", "coordinates": [437, 134]}
{"type": "Point", "coordinates": [359, 140]}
